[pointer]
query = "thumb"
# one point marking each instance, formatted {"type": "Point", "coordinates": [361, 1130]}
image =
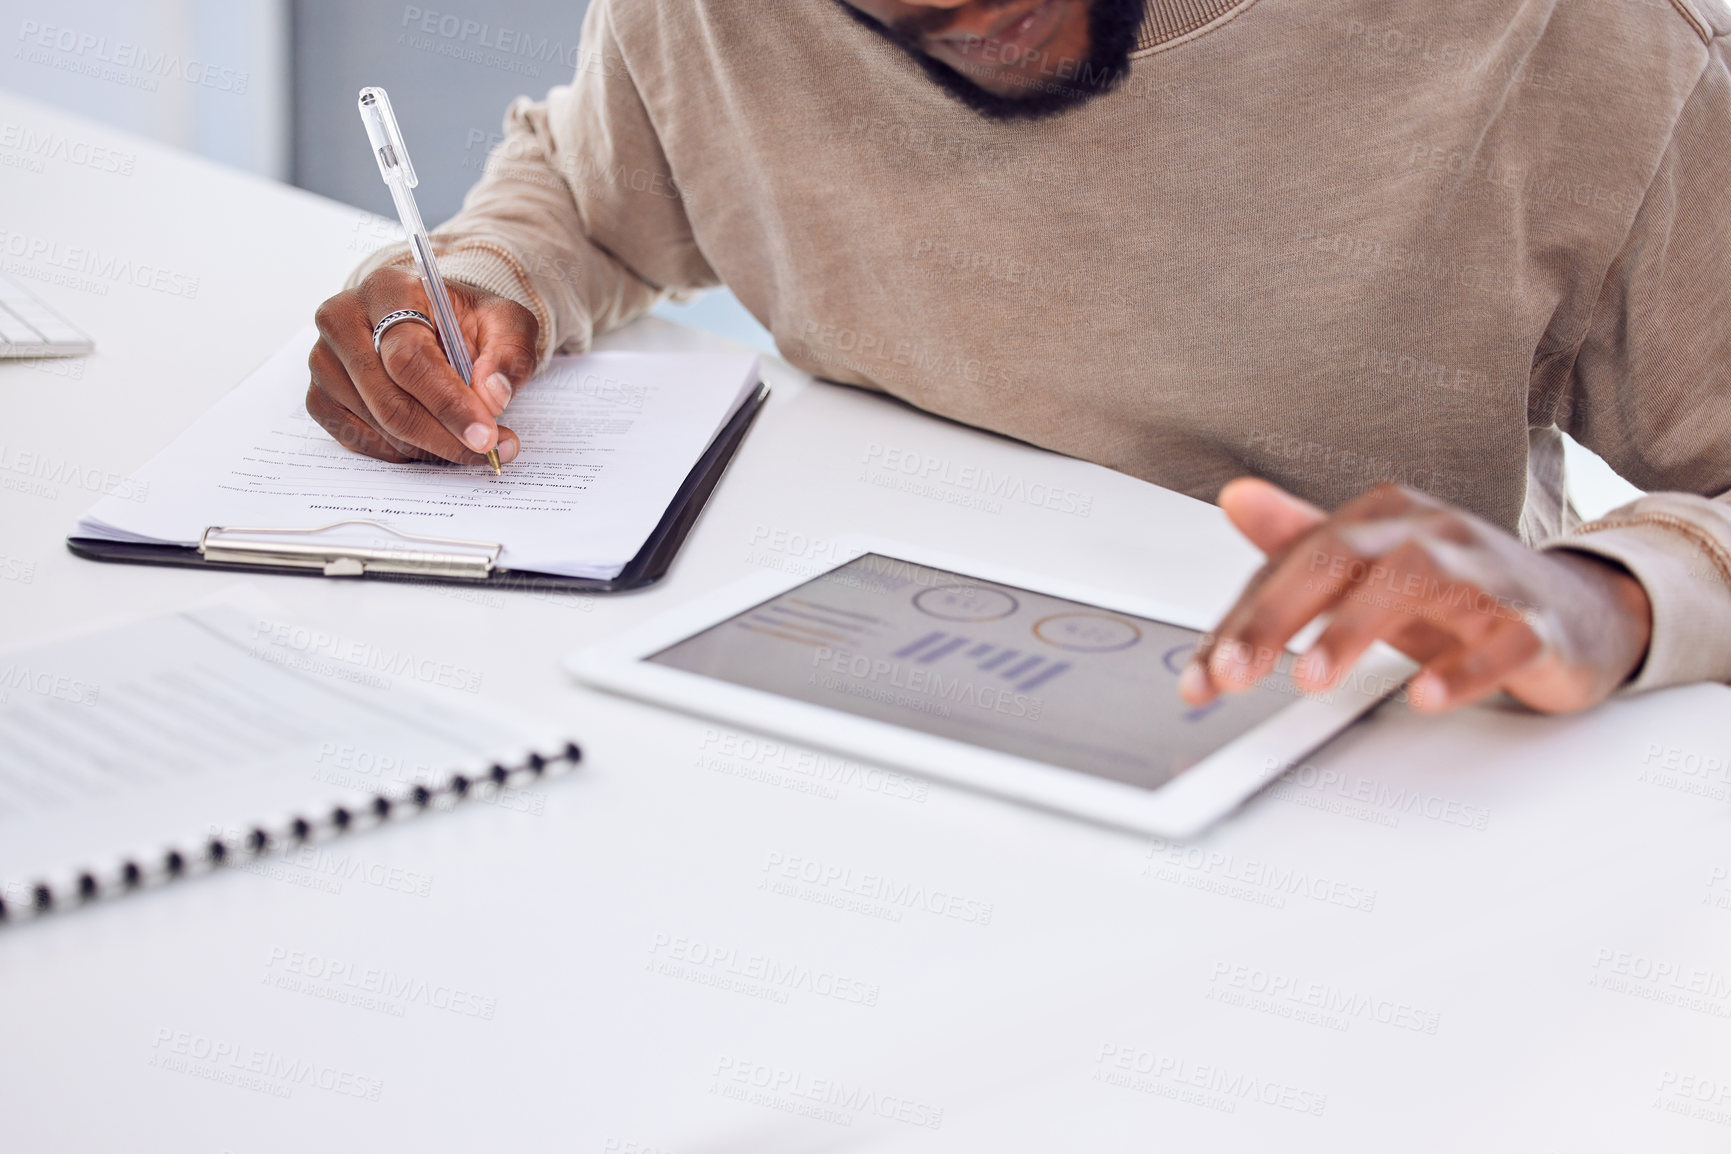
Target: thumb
{"type": "Point", "coordinates": [1267, 514]}
{"type": "Point", "coordinates": [505, 334]}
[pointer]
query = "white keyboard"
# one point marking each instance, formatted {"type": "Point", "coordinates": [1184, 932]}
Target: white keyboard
{"type": "Point", "coordinates": [29, 328]}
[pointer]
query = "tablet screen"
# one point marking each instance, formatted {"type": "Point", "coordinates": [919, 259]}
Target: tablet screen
{"type": "Point", "coordinates": [1008, 669]}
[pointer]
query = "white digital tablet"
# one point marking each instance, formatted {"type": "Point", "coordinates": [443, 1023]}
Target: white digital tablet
{"type": "Point", "coordinates": [966, 672]}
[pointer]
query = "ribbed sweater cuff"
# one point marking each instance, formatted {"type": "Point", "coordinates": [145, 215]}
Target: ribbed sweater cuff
{"type": "Point", "coordinates": [1687, 575]}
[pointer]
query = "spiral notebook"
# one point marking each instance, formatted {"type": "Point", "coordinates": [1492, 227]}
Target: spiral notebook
{"type": "Point", "coordinates": [182, 744]}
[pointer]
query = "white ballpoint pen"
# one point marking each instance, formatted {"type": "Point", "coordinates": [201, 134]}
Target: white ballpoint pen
{"type": "Point", "coordinates": [399, 174]}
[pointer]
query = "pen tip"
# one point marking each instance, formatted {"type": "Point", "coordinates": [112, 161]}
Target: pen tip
{"type": "Point", "coordinates": [493, 460]}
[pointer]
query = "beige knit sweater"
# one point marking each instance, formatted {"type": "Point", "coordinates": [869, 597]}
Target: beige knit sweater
{"type": "Point", "coordinates": [1328, 242]}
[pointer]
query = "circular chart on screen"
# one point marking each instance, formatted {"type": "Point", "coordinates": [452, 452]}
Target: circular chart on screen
{"type": "Point", "coordinates": [1175, 657]}
{"type": "Point", "coordinates": [1087, 632]}
{"type": "Point", "coordinates": [964, 603]}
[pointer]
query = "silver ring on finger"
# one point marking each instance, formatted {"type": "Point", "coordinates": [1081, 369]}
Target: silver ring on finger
{"type": "Point", "coordinates": [392, 320]}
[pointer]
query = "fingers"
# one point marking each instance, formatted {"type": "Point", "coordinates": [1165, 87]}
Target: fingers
{"type": "Point", "coordinates": [1402, 598]}
{"type": "Point", "coordinates": [405, 402]}
{"type": "Point", "coordinates": [334, 403]}
{"type": "Point", "coordinates": [1267, 514]}
{"type": "Point", "coordinates": [1391, 566]}
{"type": "Point", "coordinates": [505, 335]}
{"type": "Point", "coordinates": [343, 366]}
{"type": "Point", "coordinates": [409, 387]}
{"type": "Point", "coordinates": [1469, 672]}
{"type": "Point", "coordinates": [1478, 609]}
{"type": "Point", "coordinates": [349, 430]}
{"type": "Point", "coordinates": [414, 392]}
{"type": "Point", "coordinates": [1358, 622]}
{"type": "Point", "coordinates": [1274, 521]}
{"type": "Point", "coordinates": [406, 392]}
{"type": "Point", "coordinates": [1306, 580]}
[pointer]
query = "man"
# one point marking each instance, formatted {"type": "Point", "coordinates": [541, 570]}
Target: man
{"type": "Point", "coordinates": [1374, 254]}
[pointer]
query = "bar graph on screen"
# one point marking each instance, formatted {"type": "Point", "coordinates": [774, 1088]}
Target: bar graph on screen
{"type": "Point", "coordinates": [1024, 670]}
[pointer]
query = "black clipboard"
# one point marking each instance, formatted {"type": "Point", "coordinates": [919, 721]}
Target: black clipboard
{"type": "Point", "coordinates": [649, 566]}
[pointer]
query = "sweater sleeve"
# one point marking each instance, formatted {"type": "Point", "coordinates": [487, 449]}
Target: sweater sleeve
{"type": "Point", "coordinates": [577, 216]}
{"type": "Point", "coordinates": [1650, 391]}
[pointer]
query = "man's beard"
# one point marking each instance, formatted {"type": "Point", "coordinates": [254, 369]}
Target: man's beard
{"type": "Point", "coordinates": [1112, 28]}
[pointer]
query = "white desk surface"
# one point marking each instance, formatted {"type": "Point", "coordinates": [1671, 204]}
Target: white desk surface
{"type": "Point", "coordinates": [1347, 965]}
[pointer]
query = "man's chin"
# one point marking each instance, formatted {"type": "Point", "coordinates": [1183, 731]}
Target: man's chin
{"type": "Point", "coordinates": [1015, 93]}
{"type": "Point", "coordinates": [1019, 94]}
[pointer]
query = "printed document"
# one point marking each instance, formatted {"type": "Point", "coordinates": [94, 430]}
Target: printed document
{"type": "Point", "coordinates": [607, 440]}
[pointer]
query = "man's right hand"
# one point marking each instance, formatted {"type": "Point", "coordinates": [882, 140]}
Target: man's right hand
{"type": "Point", "coordinates": [406, 402]}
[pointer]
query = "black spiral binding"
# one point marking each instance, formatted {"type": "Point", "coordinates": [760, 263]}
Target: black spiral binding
{"type": "Point", "coordinates": [89, 886]}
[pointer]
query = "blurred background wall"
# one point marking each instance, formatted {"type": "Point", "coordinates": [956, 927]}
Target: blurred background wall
{"type": "Point", "coordinates": [451, 71]}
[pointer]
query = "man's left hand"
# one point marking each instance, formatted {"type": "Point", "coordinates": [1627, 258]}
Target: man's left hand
{"type": "Point", "coordinates": [1477, 609]}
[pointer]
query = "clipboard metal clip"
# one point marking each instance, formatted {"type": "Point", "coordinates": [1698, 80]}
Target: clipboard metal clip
{"type": "Point", "coordinates": [351, 549]}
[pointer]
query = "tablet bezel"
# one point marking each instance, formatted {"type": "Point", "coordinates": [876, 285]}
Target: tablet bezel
{"type": "Point", "coordinates": [1181, 808]}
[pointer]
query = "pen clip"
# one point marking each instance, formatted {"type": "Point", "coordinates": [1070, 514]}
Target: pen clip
{"type": "Point", "coordinates": [386, 137]}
